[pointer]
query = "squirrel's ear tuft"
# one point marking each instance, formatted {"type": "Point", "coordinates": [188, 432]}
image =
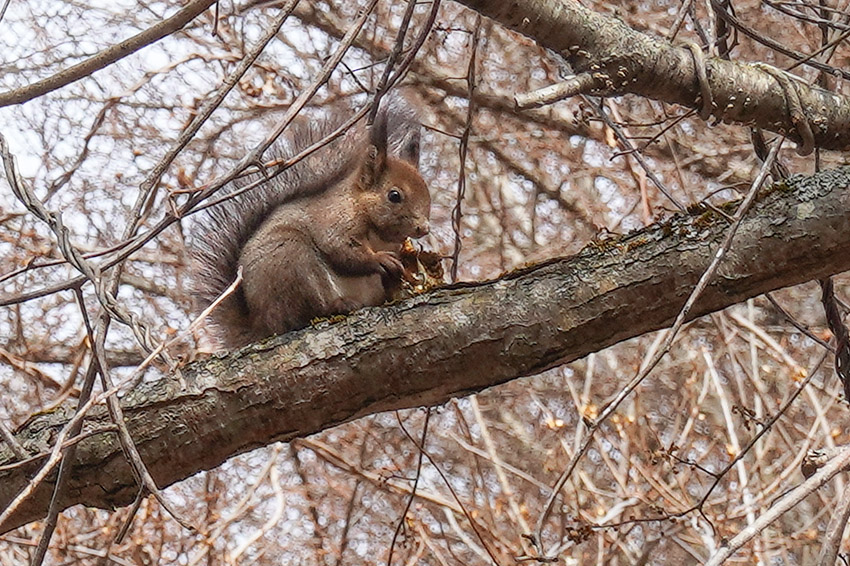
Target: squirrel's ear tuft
{"type": "Point", "coordinates": [409, 150]}
{"type": "Point", "coordinates": [376, 156]}
{"type": "Point", "coordinates": [378, 132]}
{"type": "Point", "coordinates": [403, 125]}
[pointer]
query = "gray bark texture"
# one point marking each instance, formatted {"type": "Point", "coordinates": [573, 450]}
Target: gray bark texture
{"type": "Point", "coordinates": [450, 342]}
{"type": "Point", "coordinates": [610, 58]}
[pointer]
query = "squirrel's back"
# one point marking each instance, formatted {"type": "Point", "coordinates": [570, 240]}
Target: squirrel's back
{"type": "Point", "coordinates": [226, 229]}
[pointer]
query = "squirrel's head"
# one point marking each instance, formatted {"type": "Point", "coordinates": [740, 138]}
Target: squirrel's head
{"type": "Point", "coordinates": [392, 190]}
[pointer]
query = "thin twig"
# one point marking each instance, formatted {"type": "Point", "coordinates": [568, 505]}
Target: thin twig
{"type": "Point", "coordinates": [779, 508]}
{"type": "Point", "coordinates": [835, 530]}
{"type": "Point", "coordinates": [148, 186]}
{"type": "Point", "coordinates": [17, 448]}
{"type": "Point", "coordinates": [701, 285]}
{"type": "Point", "coordinates": [457, 212]}
{"type": "Point", "coordinates": [416, 478]}
{"type": "Point", "coordinates": [107, 56]}
{"type": "Point", "coordinates": [67, 462]}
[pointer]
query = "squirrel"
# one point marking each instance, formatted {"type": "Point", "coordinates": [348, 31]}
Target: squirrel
{"type": "Point", "coordinates": [321, 238]}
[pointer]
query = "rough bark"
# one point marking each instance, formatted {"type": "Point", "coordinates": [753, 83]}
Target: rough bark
{"type": "Point", "coordinates": [450, 342]}
{"type": "Point", "coordinates": [619, 60]}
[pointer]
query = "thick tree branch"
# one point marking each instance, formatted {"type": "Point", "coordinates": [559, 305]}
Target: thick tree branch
{"type": "Point", "coordinates": [610, 58]}
{"type": "Point", "coordinates": [450, 342]}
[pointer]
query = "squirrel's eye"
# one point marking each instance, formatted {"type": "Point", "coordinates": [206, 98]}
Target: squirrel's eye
{"type": "Point", "coordinates": [394, 196]}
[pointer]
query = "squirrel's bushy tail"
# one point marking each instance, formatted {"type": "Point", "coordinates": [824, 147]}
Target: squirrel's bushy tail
{"type": "Point", "coordinates": [222, 231]}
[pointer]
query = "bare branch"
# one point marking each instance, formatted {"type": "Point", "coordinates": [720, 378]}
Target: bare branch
{"type": "Point", "coordinates": [622, 60]}
{"type": "Point", "coordinates": [809, 486]}
{"type": "Point", "coordinates": [107, 56]}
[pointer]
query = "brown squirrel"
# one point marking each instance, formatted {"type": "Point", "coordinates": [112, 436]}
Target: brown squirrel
{"type": "Point", "coordinates": [321, 238]}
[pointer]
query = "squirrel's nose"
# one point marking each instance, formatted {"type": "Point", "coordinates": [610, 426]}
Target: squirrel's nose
{"type": "Point", "coordinates": [422, 229]}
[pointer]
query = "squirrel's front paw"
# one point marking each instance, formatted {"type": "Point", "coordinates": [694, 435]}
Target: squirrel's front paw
{"type": "Point", "coordinates": [391, 266]}
{"type": "Point", "coordinates": [344, 305]}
